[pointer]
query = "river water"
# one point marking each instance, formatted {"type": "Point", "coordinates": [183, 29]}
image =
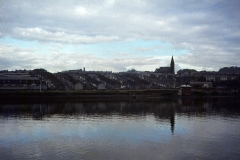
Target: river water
{"type": "Point", "coordinates": [153, 129]}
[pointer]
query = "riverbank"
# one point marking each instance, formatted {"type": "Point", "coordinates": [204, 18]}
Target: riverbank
{"type": "Point", "coordinates": [84, 95]}
{"type": "Point", "coordinates": [100, 95]}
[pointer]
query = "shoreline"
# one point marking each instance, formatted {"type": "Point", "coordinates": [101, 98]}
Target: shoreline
{"type": "Point", "coordinates": [96, 95]}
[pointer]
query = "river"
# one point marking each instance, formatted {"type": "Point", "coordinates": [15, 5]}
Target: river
{"type": "Point", "coordinates": [154, 129]}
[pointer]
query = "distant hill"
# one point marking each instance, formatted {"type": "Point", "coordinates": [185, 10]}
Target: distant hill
{"type": "Point", "coordinates": [229, 70]}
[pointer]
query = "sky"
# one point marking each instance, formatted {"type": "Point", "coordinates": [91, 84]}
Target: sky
{"type": "Point", "coordinates": [119, 35]}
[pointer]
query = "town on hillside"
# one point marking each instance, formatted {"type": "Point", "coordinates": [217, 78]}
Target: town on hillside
{"type": "Point", "coordinates": [226, 79]}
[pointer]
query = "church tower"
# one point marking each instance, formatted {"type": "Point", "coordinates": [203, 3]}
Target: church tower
{"type": "Point", "coordinates": [172, 68]}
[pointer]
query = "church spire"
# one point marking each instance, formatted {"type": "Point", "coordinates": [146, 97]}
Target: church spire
{"type": "Point", "coordinates": [172, 61]}
{"type": "Point", "coordinates": [172, 66]}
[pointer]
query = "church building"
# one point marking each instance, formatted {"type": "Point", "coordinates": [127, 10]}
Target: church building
{"type": "Point", "coordinates": [167, 70]}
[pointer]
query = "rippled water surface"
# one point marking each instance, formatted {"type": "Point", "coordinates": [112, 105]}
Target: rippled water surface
{"type": "Point", "coordinates": [163, 129]}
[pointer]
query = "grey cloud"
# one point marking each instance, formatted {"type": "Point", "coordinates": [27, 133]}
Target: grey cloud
{"type": "Point", "coordinates": [1, 34]}
{"type": "Point", "coordinates": [12, 57]}
{"type": "Point", "coordinates": [204, 28]}
{"type": "Point", "coordinates": [43, 35]}
{"type": "Point", "coordinates": [121, 64]}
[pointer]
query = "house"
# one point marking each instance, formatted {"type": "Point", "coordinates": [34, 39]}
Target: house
{"type": "Point", "coordinates": [185, 90]}
{"type": "Point", "coordinates": [101, 86]}
{"type": "Point", "coordinates": [78, 86]}
{"type": "Point", "coordinates": [210, 78]}
{"type": "Point", "coordinates": [219, 77]}
{"type": "Point", "coordinates": [69, 81]}
{"type": "Point", "coordinates": [17, 80]}
{"type": "Point", "coordinates": [201, 84]}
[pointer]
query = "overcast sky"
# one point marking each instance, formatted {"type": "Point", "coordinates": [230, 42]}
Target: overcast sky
{"type": "Point", "coordinates": [118, 35]}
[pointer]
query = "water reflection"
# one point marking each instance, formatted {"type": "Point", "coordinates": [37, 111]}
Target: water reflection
{"type": "Point", "coordinates": [161, 110]}
{"type": "Point", "coordinates": [163, 129]}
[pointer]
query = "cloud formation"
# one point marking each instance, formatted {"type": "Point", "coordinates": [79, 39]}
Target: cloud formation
{"type": "Point", "coordinates": [207, 30]}
{"type": "Point", "coordinates": [18, 58]}
{"type": "Point", "coordinates": [61, 37]}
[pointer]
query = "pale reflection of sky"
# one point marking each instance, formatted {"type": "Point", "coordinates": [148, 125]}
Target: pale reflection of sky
{"type": "Point", "coordinates": [118, 130]}
{"type": "Point", "coordinates": [131, 137]}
